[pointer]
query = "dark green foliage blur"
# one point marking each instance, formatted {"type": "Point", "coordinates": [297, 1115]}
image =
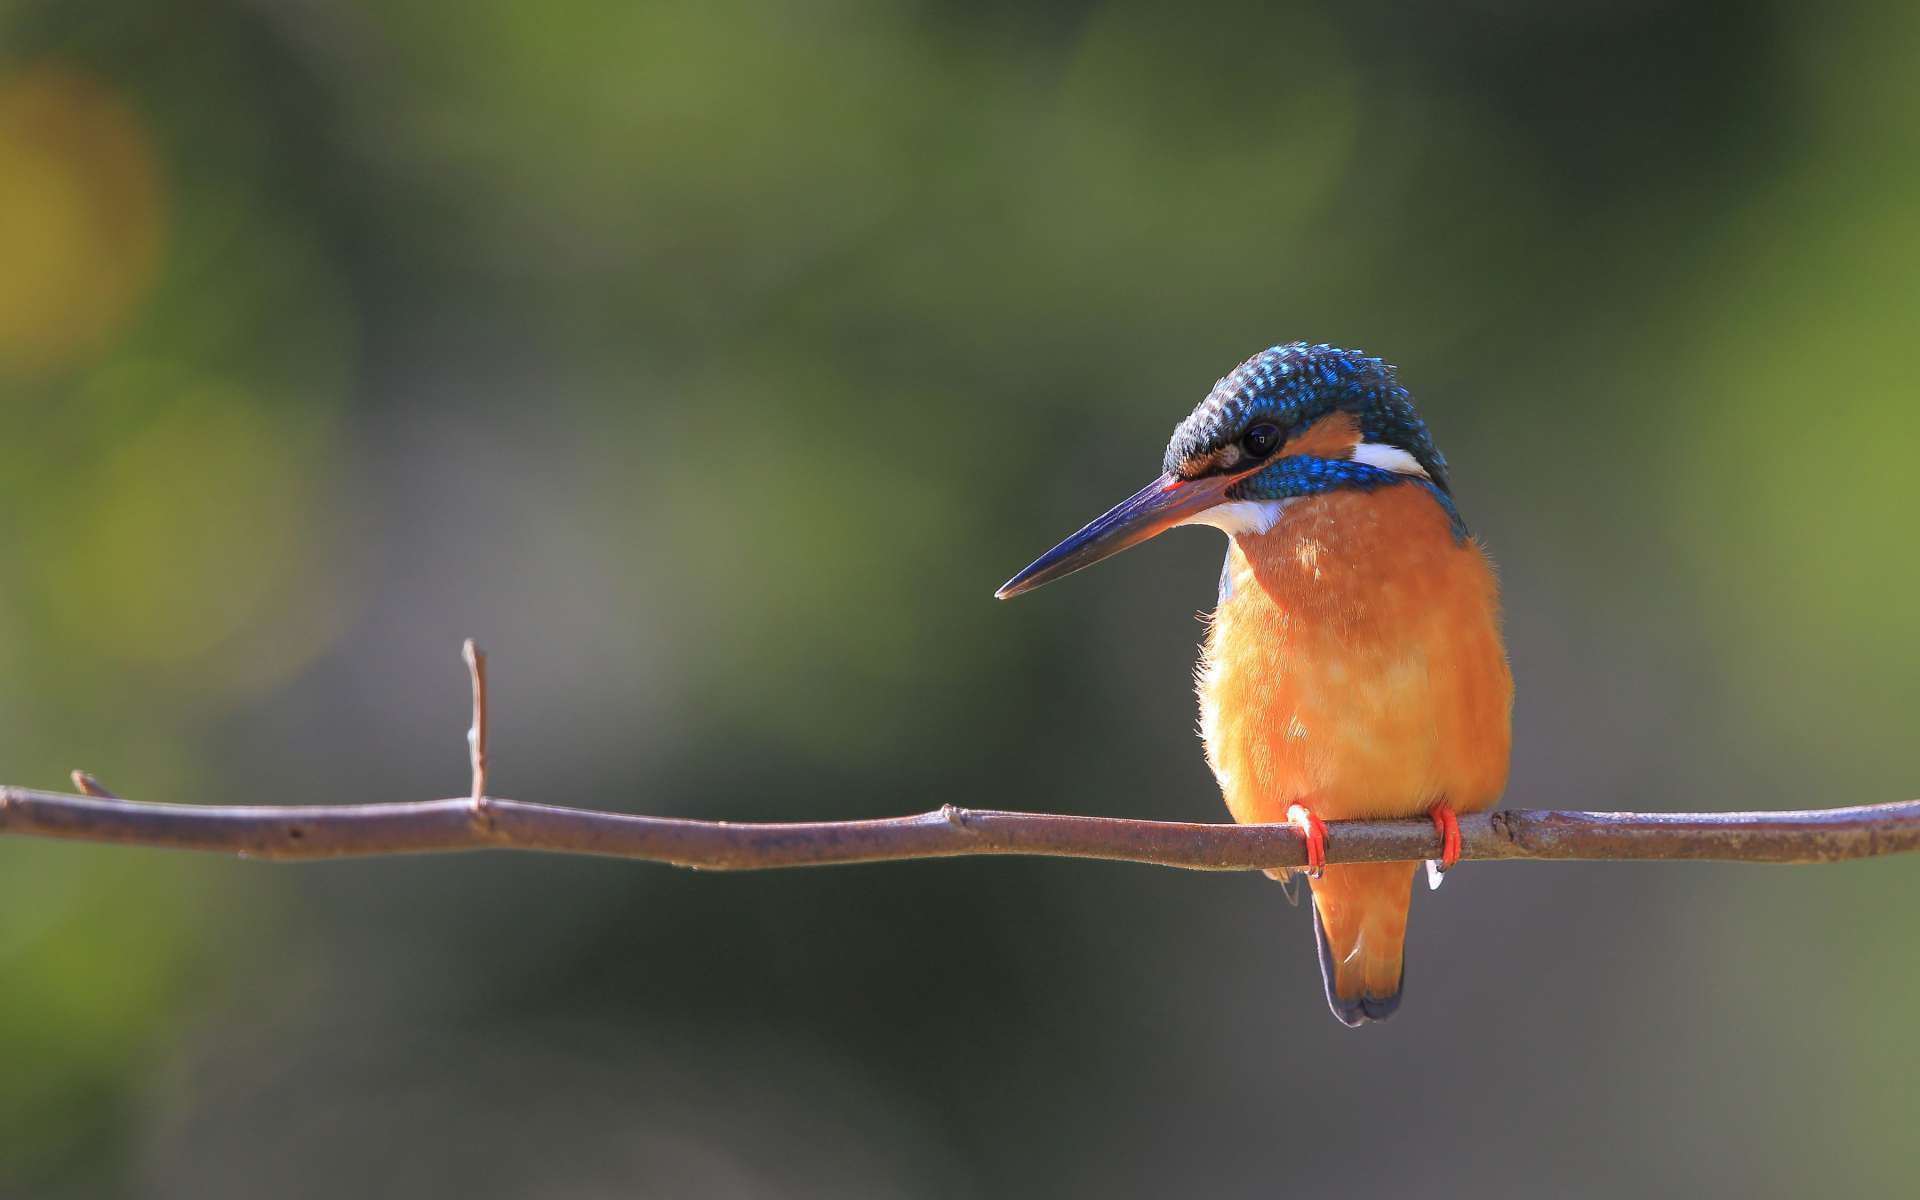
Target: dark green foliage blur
{"type": "Point", "coordinates": [712, 363]}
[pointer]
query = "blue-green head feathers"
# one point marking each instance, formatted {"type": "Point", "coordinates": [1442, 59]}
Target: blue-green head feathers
{"type": "Point", "coordinates": [1293, 386]}
{"type": "Point", "coordinates": [1279, 394]}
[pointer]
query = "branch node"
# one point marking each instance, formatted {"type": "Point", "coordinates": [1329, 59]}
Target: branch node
{"type": "Point", "coordinates": [954, 815]}
{"type": "Point", "coordinates": [89, 786]}
{"type": "Point", "coordinates": [1502, 825]}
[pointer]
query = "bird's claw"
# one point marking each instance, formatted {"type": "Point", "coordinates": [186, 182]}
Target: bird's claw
{"type": "Point", "coordinates": [1290, 887]}
{"type": "Point", "coordinates": [1314, 831]}
{"type": "Point", "coordinates": [1448, 827]}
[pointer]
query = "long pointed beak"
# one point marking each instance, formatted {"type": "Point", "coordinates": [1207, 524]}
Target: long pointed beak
{"type": "Point", "coordinates": [1154, 509]}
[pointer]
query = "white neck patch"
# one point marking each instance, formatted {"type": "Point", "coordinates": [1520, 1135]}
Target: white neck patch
{"type": "Point", "coordinates": [1388, 458]}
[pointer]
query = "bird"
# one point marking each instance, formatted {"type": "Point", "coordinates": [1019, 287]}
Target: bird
{"type": "Point", "coordinates": [1354, 665]}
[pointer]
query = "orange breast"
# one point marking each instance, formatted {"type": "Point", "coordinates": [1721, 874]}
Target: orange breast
{"type": "Point", "coordinates": [1357, 665]}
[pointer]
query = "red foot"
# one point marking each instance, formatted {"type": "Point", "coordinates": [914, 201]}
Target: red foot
{"type": "Point", "coordinates": [1315, 832]}
{"type": "Point", "coordinates": [1448, 827]}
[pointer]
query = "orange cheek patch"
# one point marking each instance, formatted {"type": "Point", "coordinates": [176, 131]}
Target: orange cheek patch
{"type": "Point", "coordinates": [1332, 436]}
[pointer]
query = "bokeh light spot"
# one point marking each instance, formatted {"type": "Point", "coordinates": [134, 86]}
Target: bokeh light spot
{"type": "Point", "coordinates": [197, 522]}
{"type": "Point", "coordinates": [80, 215]}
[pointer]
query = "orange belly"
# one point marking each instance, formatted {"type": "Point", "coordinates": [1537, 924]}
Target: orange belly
{"type": "Point", "coordinates": [1357, 665]}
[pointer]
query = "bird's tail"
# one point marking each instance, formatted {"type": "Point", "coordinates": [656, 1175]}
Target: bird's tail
{"type": "Point", "coordinates": [1360, 926]}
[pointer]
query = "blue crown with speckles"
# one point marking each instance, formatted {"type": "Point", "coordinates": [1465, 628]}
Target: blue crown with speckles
{"type": "Point", "coordinates": [1295, 385]}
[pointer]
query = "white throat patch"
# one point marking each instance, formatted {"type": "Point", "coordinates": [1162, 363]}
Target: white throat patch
{"type": "Point", "coordinates": [1237, 517]}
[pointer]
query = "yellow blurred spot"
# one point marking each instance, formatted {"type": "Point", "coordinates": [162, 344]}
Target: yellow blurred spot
{"type": "Point", "coordinates": [80, 225]}
{"type": "Point", "coordinates": [195, 537]}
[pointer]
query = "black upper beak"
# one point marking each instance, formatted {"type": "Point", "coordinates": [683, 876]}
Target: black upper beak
{"type": "Point", "coordinates": [1154, 509]}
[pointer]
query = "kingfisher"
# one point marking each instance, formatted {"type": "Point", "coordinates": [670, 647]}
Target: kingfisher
{"type": "Point", "coordinates": [1353, 666]}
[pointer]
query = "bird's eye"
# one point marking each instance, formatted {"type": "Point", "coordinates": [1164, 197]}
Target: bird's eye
{"type": "Point", "coordinates": [1260, 441]}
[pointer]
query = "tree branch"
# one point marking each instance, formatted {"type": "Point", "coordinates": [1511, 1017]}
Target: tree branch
{"type": "Point", "coordinates": [481, 822]}
{"type": "Point", "coordinates": [353, 831]}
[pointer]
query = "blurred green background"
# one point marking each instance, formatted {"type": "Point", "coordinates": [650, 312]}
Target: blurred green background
{"type": "Point", "coordinates": [712, 363]}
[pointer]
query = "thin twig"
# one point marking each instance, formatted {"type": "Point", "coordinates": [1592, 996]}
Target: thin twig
{"type": "Point", "coordinates": [480, 822]}
{"type": "Point", "coordinates": [476, 660]}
